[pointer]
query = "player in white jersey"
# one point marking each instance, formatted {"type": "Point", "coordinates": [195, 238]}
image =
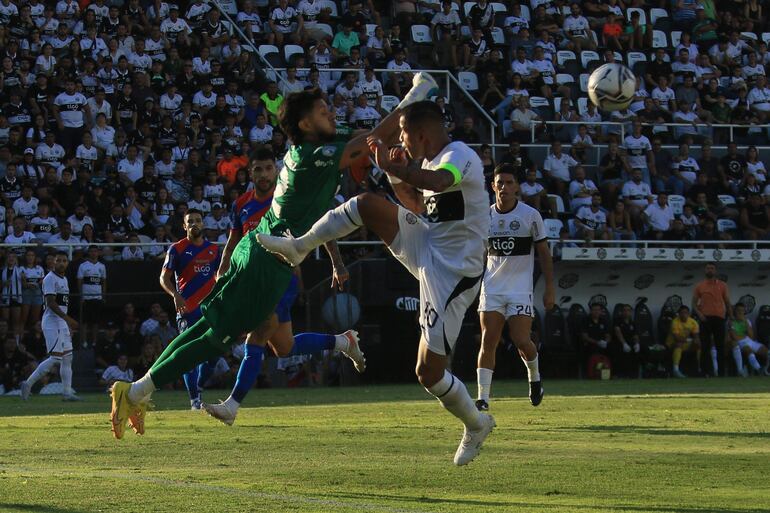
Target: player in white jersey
{"type": "Point", "coordinates": [438, 235]}
{"type": "Point", "coordinates": [56, 330]}
{"type": "Point", "coordinates": [515, 231]}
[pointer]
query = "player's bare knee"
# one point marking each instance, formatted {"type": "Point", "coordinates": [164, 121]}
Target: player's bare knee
{"type": "Point", "coordinates": [428, 375]}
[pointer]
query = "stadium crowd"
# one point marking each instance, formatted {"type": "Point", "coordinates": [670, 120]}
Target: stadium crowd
{"type": "Point", "coordinates": [117, 116]}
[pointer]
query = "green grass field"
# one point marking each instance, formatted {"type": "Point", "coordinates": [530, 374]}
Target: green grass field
{"type": "Point", "coordinates": [620, 446]}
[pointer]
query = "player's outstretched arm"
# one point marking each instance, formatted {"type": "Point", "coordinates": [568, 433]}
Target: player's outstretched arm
{"type": "Point", "coordinates": [423, 85]}
{"type": "Point", "coordinates": [395, 163]}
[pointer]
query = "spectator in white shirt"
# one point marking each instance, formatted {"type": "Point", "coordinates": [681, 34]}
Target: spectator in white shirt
{"type": "Point", "coordinates": [556, 168]}
{"type": "Point", "coordinates": [118, 372]}
{"type": "Point", "coordinates": [522, 119]}
{"type": "Point", "coordinates": [636, 194]}
{"type": "Point", "coordinates": [132, 252]}
{"type": "Point", "coordinates": [658, 216]}
{"type": "Point", "coordinates": [581, 189]}
{"type": "Point", "coordinates": [759, 99]}
{"type": "Point", "coordinates": [578, 31]}
{"type": "Point", "coordinates": [591, 221]}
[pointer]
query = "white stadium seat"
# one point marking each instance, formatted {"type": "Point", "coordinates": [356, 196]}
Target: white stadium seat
{"type": "Point", "coordinates": [468, 80]}
{"type": "Point", "coordinates": [676, 36]}
{"type": "Point", "coordinates": [634, 57]}
{"type": "Point", "coordinates": [659, 39]}
{"type": "Point", "coordinates": [726, 225]}
{"type": "Point", "coordinates": [587, 56]}
{"type": "Point", "coordinates": [421, 34]}
{"type": "Point", "coordinates": [389, 102]}
{"type": "Point", "coordinates": [642, 15]}
{"type": "Point", "coordinates": [657, 13]}
{"type": "Point", "coordinates": [290, 50]}
{"type": "Point", "coordinates": [264, 50]}
{"type": "Point", "coordinates": [677, 203]}
{"type": "Point", "coordinates": [562, 56]}
{"type": "Point", "coordinates": [552, 228]}
{"type": "Point", "coordinates": [726, 199]}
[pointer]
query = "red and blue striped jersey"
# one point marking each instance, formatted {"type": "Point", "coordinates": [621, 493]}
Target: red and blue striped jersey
{"type": "Point", "coordinates": [195, 268]}
{"type": "Point", "coordinates": [247, 211]}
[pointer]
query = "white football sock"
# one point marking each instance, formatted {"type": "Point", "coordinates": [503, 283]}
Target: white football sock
{"type": "Point", "coordinates": [141, 389]}
{"type": "Point", "coordinates": [232, 404]}
{"type": "Point", "coordinates": [341, 343]}
{"type": "Point", "coordinates": [754, 362]}
{"type": "Point", "coordinates": [335, 224]}
{"type": "Point", "coordinates": [533, 368]}
{"type": "Point", "coordinates": [738, 357]}
{"type": "Point", "coordinates": [453, 395]}
{"type": "Point", "coordinates": [714, 361]}
{"type": "Point", "coordinates": [484, 381]}
{"type": "Point", "coordinates": [42, 369]}
{"type": "Point", "coordinates": [65, 371]}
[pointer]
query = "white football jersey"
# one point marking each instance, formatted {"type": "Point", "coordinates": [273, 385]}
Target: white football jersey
{"type": "Point", "coordinates": [56, 285]}
{"type": "Point", "coordinates": [636, 149]}
{"type": "Point", "coordinates": [93, 275]}
{"type": "Point", "coordinates": [511, 250]}
{"type": "Point", "coordinates": [457, 218]}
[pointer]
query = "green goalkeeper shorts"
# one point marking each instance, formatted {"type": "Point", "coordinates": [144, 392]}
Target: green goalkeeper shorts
{"type": "Point", "coordinates": [248, 293]}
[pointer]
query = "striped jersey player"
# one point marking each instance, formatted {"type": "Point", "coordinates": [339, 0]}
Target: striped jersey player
{"type": "Point", "coordinates": [516, 230]}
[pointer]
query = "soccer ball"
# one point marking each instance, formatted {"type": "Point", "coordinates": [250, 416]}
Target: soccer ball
{"type": "Point", "coordinates": [611, 87]}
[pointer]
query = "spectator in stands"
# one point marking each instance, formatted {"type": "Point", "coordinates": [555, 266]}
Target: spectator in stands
{"type": "Point", "coordinates": [482, 17]}
{"type": "Point", "coordinates": [595, 332]}
{"type": "Point", "coordinates": [581, 143]}
{"type": "Point", "coordinates": [65, 238]}
{"type": "Point", "coordinates": [556, 168]}
{"type": "Point", "coordinates": [743, 343]}
{"type": "Point", "coordinates": [466, 132]}
{"type": "Point", "coordinates": [92, 286]}
{"type": "Point", "coordinates": [658, 217]}
{"type": "Point", "coordinates": [577, 30]}
{"type": "Point", "coordinates": [566, 133]}
{"type": "Point", "coordinates": [684, 170]}
{"type": "Point", "coordinates": [518, 158]}
{"type": "Point", "coordinates": [711, 302]}
{"type": "Point", "coordinates": [445, 29]}
{"type": "Point", "coordinates": [107, 346]}
{"type": "Point", "coordinates": [476, 49]}
{"type": "Point", "coordinates": [581, 190]}
{"type": "Point", "coordinates": [165, 331]}
{"type": "Point", "coordinates": [286, 23]}
{"type": "Point", "coordinates": [664, 96]}
{"type": "Point", "coordinates": [522, 120]}
{"type": "Point", "coordinates": [638, 151]}
{"type": "Point", "coordinates": [733, 166]}
{"type": "Point", "coordinates": [534, 194]}
{"type": "Point", "coordinates": [619, 223]}
{"type": "Point", "coordinates": [613, 166]}
{"type": "Point", "coordinates": [120, 371]}
{"type": "Point", "coordinates": [755, 218]}
{"type": "Point", "coordinates": [591, 221]}
{"type": "Point", "coordinates": [683, 336]}
{"type": "Point", "coordinates": [637, 195]}
{"type": "Point", "coordinates": [755, 166]}
{"type": "Point", "coordinates": [132, 252]}
{"type": "Point", "coordinates": [612, 32]}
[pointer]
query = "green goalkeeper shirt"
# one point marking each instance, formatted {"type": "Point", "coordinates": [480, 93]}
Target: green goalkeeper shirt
{"type": "Point", "coordinates": [306, 185]}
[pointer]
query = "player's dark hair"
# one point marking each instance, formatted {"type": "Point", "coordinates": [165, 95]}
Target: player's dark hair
{"type": "Point", "coordinates": [684, 307]}
{"type": "Point", "coordinates": [294, 109]}
{"type": "Point", "coordinates": [736, 305]}
{"type": "Point", "coordinates": [424, 112]}
{"type": "Point", "coordinates": [193, 211]}
{"type": "Point", "coordinates": [263, 154]}
{"type": "Point", "coordinates": [505, 169]}
{"type": "Point", "coordinates": [62, 253]}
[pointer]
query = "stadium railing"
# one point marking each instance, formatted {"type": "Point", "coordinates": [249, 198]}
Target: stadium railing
{"type": "Point", "coordinates": [623, 125]}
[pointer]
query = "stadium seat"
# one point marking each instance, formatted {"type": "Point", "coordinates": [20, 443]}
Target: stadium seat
{"type": "Point", "coordinates": [469, 81]}
{"type": "Point", "coordinates": [557, 348]}
{"type": "Point", "coordinates": [656, 13]}
{"type": "Point", "coordinates": [642, 15]}
{"type": "Point", "coordinates": [762, 325]}
{"type": "Point", "coordinates": [498, 37]}
{"type": "Point", "coordinates": [467, 6]}
{"type": "Point", "coordinates": [421, 34]}
{"type": "Point", "coordinates": [582, 105]}
{"type": "Point", "coordinates": [677, 203]}
{"type": "Point", "coordinates": [726, 225]}
{"type": "Point", "coordinates": [749, 36]}
{"type": "Point", "coordinates": [371, 27]}
{"type": "Point", "coordinates": [562, 56]}
{"type": "Point", "coordinates": [558, 202]}
{"type": "Point", "coordinates": [326, 28]}
{"type": "Point", "coordinates": [586, 56]}
{"type": "Point", "coordinates": [633, 57]}
{"type": "Point", "coordinates": [726, 199]}
{"type": "Point", "coordinates": [265, 50]}
{"type": "Point", "coordinates": [291, 50]}
{"type": "Point", "coordinates": [583, 79]}
{"type": "Point", "coordinates": [616, 313]}
{"type": "Point", "coordinates": [659, 39]}
{"type": "Point", "coordinates": [507, 127]}
{"type": "Point", "coordinates": [525, 13]}
{"type": "Point", "coordinates": [499, 7]}
{"type": "Point", "coordinates": [564, 78]}
{"type": "Point", "coordinates": [667, 314]}
{"type": "Point", "coordinates": [676, 36]}
{"type": "Point", "coordinates": [552, 228]}
{"type": "Point", "coordinates": [389, 102]}
{"type": "Point", "coordinates": [144, 239]}
{"type": "Point", "coordinates": [766, 37]}
{"type": "Point", "coordinates": [618, 57]}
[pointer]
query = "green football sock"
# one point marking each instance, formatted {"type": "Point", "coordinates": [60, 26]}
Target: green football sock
{"type": "Point", "coordinates": [193, 346]}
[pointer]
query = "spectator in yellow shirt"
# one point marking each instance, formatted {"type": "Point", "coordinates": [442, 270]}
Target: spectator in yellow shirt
{"type": "Point", "coordinates": [683, 336]}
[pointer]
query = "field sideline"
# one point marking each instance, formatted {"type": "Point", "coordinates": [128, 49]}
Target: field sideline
{"type": "Point", "coordinates": [665, 446]}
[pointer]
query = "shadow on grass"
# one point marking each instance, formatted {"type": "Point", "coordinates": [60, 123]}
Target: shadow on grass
{"type": "Point", "coordinates": [642, 430]}
{"type": "Point", "coordinates": [529, 506]}
{"type": "Point", "coordinates": [504, 389]}
{"type": "Point", "coordinates": [35, 508]}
